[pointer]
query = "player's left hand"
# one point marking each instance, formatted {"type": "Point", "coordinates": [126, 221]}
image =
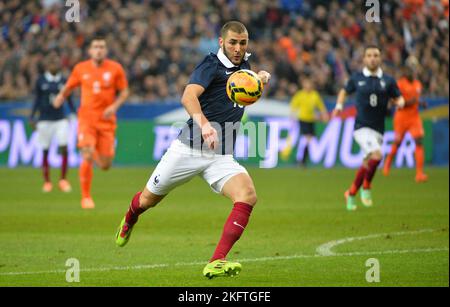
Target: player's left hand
{"type": "Point", "coordinates": [264, 76]}
{"type": "Point", "coordinates": [109, 111]}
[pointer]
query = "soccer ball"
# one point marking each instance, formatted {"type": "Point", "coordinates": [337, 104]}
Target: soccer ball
{"type": "Point", "coordinates": [244, 87]}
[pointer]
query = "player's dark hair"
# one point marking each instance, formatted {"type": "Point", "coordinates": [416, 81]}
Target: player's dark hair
{"type": "Point", "coordinates": [234, 26]}
{"type": "Point", "coordinates": [371, 47]}
{"type": "Point", "coordinates": [98, 37]}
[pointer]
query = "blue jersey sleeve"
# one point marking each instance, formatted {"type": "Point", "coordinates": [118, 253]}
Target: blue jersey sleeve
{"type": "Point", "coordinates": [204, 73]}
{"type": "Point", "coordinates": [394, 91]}
{"type": "Point", "coordinates": [350, 86]}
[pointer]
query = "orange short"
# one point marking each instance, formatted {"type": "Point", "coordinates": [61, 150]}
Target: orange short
{"type": "Point", "coordinates": [413, 125]}
{"type": "Point", "coordinates": [99, 136]}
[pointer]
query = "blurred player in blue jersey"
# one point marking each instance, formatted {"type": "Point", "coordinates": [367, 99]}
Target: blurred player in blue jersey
{"type": "Point", "coordinates": [203, 150]}
{"type": "Point", "coordinates": [51, 122]}
{"type": "Point", "coordinates": [374, 89]}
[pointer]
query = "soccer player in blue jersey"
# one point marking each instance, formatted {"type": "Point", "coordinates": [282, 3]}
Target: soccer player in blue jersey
{"type": "Point", "coordinates": [374, 90]}
{"type": "Point", "coordinates": [51, 122]}
{"type": "Point", "coordinates": [201, 149]}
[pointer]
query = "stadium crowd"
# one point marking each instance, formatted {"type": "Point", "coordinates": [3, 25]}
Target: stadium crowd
{"type": "Point", "coordinates": [160, 41]}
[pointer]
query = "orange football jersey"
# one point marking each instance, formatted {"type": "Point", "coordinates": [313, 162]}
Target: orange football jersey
{"type": "Point", "coordinates": [409, 90]}
{"type": "Point", "coordinates": [99, 86]}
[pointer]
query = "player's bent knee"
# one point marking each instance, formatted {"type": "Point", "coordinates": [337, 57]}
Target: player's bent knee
{"type": "Point", "coordinates": [87, 153]}
{"type": "Point", "coordinates": [253, 199]}
{"type": "Point", "coordinates": [248, 196]}
{"type": "Point", "coordinates": [376, 156]}
{"type": "Point", "coordinates": [87, 156]}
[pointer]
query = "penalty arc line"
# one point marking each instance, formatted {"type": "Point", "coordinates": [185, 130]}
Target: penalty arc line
{"type": "Point", "coordinates": [299, 256]}
{"type": "Point", "coordinates": [325, 249]}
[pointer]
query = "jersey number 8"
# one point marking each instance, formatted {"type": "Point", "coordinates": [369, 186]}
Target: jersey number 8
{"type": "Point", "coordinates": [373, 100]}
{"type": "Point", "coordinates": [96, 87]}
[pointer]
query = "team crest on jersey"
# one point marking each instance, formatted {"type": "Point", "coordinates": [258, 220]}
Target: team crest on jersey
{"type": "Point", "coordinates": [44, 87]}
{"type": "Point", "coordinates": [383, 84]}
{"type": "Point", "coordinates": [107, 76]}
{"type": "Point", "coordinates": [85, 76]}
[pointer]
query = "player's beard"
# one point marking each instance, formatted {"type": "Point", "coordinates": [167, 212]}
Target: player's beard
{"type": "Point", "coordinates": [231, 57]}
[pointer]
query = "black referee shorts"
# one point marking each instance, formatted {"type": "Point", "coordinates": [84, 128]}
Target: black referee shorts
{"type": "Point", "coordinates": [307, 128]}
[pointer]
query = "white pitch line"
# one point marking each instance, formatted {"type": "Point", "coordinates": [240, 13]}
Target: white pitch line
{"type": "Point", "coordinates": [299, 256]}
{"type": "Point", "coordinates": [325, 249]}
{"type": "Point", "coordinates": [105, 269]}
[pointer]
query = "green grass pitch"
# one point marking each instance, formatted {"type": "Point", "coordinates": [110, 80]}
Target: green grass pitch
{"type": "Point", "coordinates": [298, 211]}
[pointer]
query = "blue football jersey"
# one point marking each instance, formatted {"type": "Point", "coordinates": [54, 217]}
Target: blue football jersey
{"type": "Point", "coordinates": [373, 93]}
{"type": "Point", "coordinates": [212, 74]}
{"type": "Point", "coordinates": [46, 88]}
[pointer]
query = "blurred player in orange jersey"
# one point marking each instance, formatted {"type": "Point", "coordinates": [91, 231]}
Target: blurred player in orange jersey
{"type": "Point", "coordinates": [104, 88]}
{"type": "Point", "coordinates": [408, 120]}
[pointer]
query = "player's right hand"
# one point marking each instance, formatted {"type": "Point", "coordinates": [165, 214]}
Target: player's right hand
{"type": "Point", "coordinates": [209, 135]}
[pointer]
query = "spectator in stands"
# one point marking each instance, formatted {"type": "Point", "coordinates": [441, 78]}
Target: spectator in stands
{"type": "Point", "coordinates": [322, 38]}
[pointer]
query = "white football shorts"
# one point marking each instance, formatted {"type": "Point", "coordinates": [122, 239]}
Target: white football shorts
{"type": "Point", "coordinates": [47, 129]}
{"type": "Point", "coordinates": [181, 163]}
{"type": "Point", "coordinates": [369, 140]}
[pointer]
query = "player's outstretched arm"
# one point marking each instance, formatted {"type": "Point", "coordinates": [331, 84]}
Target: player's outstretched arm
{"type": "Point", "coordinates": [411, 101]}
{"type": "Point", "coordinates": [192, 105]}
{"type": "Point", "coordinates": [339, 103]}
{"type": "Point", "coordinates": [61, 97]}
